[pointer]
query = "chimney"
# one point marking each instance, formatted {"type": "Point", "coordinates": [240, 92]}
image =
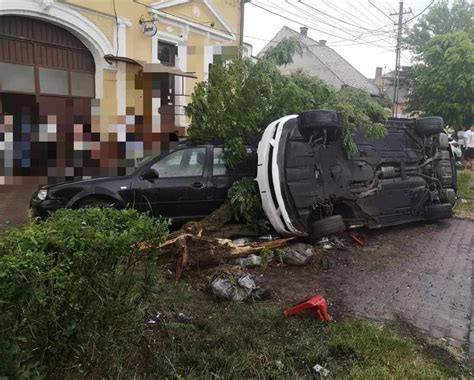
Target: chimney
{"type": "Point", "coordinates": [304, 31]}
{"type": "Point", "coordinates": [378, 72]}
{"type": "Point", "coordinates": [322, 42]}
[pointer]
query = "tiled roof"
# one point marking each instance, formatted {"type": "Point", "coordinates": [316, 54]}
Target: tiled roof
{"type": "Point", "coordinates": [342, 69]}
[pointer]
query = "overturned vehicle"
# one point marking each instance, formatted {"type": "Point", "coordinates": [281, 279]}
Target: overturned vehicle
{"type": "Point", "coordinates": [309, 186]}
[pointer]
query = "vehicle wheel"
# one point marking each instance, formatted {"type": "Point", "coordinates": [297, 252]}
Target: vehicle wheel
{"type": "Point", "coordinates": [317, 122]}
{"type": "Point", "coordinates": [428, 126]}
{"type": "Point", "coordinates": [318, 118]}
{"type": "Point", "coordinates": [327, 226]}
{"type": "Point", "coordinates": [442, 141]}
{"type": "Point", "coordinates": [449, 196]}
{"type": "Point", "coordinates": [97, 203]}
{"type": "Point", "coordinates": [442, 211]}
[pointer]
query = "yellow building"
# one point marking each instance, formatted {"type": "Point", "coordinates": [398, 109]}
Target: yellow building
{"type": "Point", "coordinates": [88, 86]}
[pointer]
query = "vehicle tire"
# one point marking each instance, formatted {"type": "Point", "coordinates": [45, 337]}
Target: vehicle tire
{"type": "Point", "coordinates": [97, 203]}
{"type": "Point", "coordinates": [436, 212]}
{"type": "Point", "coordinates": [442, 141]}
{"type": "Point", "coordinates": [316, 122]}
{"type": "Point", "coordinates": [318, 118]}
{"type": "Point", "coordinates": [429, 126]}
{"type": "Point", "coordinates": [327, 226]}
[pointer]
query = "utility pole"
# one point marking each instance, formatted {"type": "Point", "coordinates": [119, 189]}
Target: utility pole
{"type": "Point", "coordinates": [397, 58]}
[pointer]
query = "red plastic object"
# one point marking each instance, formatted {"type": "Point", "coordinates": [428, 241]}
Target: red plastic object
{"type": "Point", "coordinates": [357, 239]}
{"type": "Point", "coordinates": [317, 303]}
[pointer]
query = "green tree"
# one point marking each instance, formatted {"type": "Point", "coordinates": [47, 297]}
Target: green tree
{"type": "Point", "coordinates": [242, 97]}
{"type": "Point", "coordinates": [441, 19]}
{"type": "Point", "coordinates": [282, 54]}
{"type": "Point", "coordinates": [443, 84]}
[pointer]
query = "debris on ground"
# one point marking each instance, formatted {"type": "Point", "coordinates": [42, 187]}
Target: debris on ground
{"type": "Point", "coordinates": [233, 289]}
{"type": "Point", "coordinates": [331, 243]}
{"type": "Point", "coordinates": [357, 238]}
{"type": "Point", "coordinates": [325, 243]}
{"type": "Point", "coordinates": [250, 260]}
{"type": "Point", "coordinates": [183, 318]}
{"type": "Point", "coordinates": [239, 286]}
{"type": "Point", "coordinates": [159, 317]}
{"type": "Point", "coordinates": [321, 370]}
{"type": "Point", "coordinates": [297, 254]}
{"type": "Point", "coordinates": [317, 304]}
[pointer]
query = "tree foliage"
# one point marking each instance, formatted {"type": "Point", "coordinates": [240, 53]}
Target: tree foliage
{"type": "Point", "coordinates": [242, 97]}
{"type": "Point", "coordinates": [441, 19]}
{"type": "Point", "coordinates": [282, 54]}
{"type": "Point", "coordinates": [443, 81]}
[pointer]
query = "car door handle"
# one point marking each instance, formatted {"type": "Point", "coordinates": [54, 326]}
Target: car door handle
{"type": "Point", "coordinates": [198, 185]}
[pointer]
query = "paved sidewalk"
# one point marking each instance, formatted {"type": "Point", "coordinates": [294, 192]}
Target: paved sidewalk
{"type": "Point", "coordinates": [14, 204]}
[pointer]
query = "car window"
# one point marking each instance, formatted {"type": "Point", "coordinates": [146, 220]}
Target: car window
{"type": "Point", "coordinates": [219, 167]}
{"type": "Point", "coordinates": [182, 163]}
{"type": "Point", "coordinates": [218, 163]}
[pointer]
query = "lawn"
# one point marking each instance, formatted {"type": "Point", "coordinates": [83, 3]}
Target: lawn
{"type": "Point", "coordinates": [253, 340]}
{"type": "Point", "coordinates": [465, 204]}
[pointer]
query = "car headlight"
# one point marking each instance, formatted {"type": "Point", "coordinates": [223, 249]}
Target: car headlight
{"type": "Point", "coordinates": [42, 194]}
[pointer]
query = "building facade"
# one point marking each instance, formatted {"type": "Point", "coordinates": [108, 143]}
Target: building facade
{"type": "Point", "coordinates": [88, 87]}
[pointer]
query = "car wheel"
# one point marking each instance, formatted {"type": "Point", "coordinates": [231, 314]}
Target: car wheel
{"type": "Point", "coordinates": [97, 203]}
{"type": "Point", "coordinates": [442, 141]}
{"type": "Point", "coordinates": [327, 226]}
{"type": "Point", "coordinates": [436, 212]}
{"type": "Point", "coordinates": [319, 123]}
{"type": "Point", "coordinates": [429, 126]}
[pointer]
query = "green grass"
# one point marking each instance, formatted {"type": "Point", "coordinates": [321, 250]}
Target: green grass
{"type": "Point", "coordinates": [465, 205]}
{"type": "Point", "coordinates": [250, 340]}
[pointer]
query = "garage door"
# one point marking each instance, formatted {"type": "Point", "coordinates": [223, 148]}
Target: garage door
{"type": "Point", "coordinates": [47, 81]}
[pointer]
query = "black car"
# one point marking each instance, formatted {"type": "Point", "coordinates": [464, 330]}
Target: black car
{"type": "Point", "coordinates": [186, 184]}
{"type": "Point", "coordinates": [309, 185]}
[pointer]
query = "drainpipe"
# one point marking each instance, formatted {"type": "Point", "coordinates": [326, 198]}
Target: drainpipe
{"type": "Point", "coordinates": [242, 17]}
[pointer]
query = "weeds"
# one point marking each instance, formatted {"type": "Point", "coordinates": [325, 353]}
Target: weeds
{"type": "Point", "coordinates": [255, 340]}
{"type": "Point", "coordinates": [465, 204]}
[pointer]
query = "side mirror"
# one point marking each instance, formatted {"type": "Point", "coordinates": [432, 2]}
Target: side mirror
{"type": "Point", "coordinates": [150, 175]}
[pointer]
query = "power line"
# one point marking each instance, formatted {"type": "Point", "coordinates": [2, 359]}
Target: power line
{"type": "Point", "coordinates": [295, 21]}
{"type": "Point", "coordinates": [381, 11]}
{"type": "Point", "coordinates": [318, 30]}
{"type": "Point", "coordinates": [419, 14]}
{"type": "Point", "coordinates": [334, 26]}
{"type": "Point", "coordinates": [333, 17]}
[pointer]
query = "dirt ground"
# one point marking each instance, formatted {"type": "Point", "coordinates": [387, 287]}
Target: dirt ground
{"type": "Point", "coordinates": [418, 272]}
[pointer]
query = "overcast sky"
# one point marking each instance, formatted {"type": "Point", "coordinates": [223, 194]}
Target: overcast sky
{"type": "Point", "coordinates": [362, 31]}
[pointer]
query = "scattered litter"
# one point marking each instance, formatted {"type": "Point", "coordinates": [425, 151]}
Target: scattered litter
{"type": "Point", "coordinates": [317, 304]}
{"type": "Point", "coordinates": [321, 370]}
{"type": "Point", "coordinates": [464, 200]}
{"type": "Point", "coordinates": [239, 286]}
{"type": "Point", "coordinates": [331, 243]}
{"type": "Point", "coordinates": [237, 289]}
{"type": "Point", "coordinates": [358, 239]}
{"type": "Point", "coordinates": [297, 254]}
{"type": "Point", "coordinates": [242, 241]}
{"type": "Point", "coordinates": [250, 260]}
{"type": "Point", "coordinates": [158, 318]}
{"type": "Point", "coordinates": [183, 318]}
{"type": "Point", "coordinates": [269, 237]}
{"type": "Point", "coordinates": [325, 243]}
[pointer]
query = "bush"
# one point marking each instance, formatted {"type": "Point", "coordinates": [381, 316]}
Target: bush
{"type": "Point", "coordinates": [64, 278]}
{"type": "Point", "coordinates": [247, 206]}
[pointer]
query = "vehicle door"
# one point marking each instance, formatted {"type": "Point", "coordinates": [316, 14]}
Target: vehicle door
{"type": "Point", "coordinates": [175, 185]}
{"type": "Point", "coordinates": [221, 177]}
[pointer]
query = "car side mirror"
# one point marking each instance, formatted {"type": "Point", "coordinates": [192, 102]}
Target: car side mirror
{"type": "Point", "coordinates": [150, 174]}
